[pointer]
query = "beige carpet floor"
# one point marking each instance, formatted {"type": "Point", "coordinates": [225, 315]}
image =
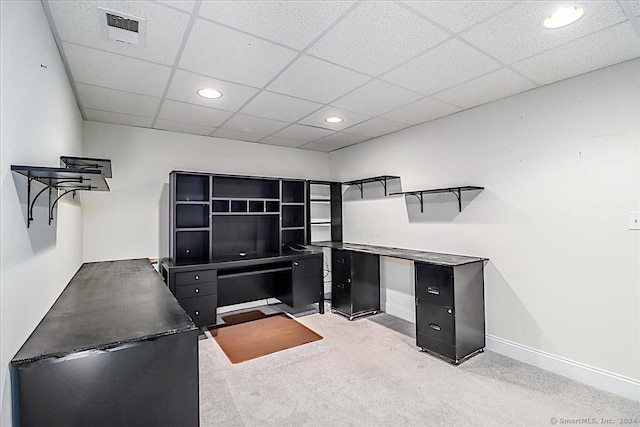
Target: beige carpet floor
{"type": "Point", "coordinates": [365, 373]}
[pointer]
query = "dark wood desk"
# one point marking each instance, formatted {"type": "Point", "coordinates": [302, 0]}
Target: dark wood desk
{"type": "Point", "coordinates": [295, 278]}
{"type": "Point", "coordinates": [115, 349]}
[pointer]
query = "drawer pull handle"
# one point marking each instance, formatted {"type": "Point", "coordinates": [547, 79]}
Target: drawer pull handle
{"type": "Point", "coordinates": [449, 311]}
{"type": "Point", "coordinates": [296, 263]}
{"type": "Point", "coordinates": [348, 280]}
{"type": "Point", "coordinates": [197, 277]}
{"type": "Point", "coordinates": [434, 290]}
{"type": "Point", "coordinates": [187, 251]}
{"type": "Point", "coordinates": [197, 290]}
{"type": "Point", "coordinates": [197, 313]}
{"type": "Point", "coordinates": [434, 327]}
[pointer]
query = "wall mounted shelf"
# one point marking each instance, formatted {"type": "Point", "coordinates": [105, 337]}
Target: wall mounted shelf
{"type": "Point", "coordinates": [102, 165]}
{"type": "Point", "coordinates": [457, 191]}
{"type": "Point", "coordinates": [381, 179]}
{"type": "Point", "coordinates": [65, 179]}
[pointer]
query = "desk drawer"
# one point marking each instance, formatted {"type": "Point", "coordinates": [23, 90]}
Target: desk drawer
{"type": "Point", "coordinates": [202, 310]}
{"type": "Point", "coordinates": [434, 283]}
{"type": "Point", "coordinates": [194, 277]}
{"type": "Point", "coordinates": [192, 291]}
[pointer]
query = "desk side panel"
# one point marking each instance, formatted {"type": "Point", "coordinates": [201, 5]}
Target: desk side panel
{"type": "Point", "coordinates": [146, 383]}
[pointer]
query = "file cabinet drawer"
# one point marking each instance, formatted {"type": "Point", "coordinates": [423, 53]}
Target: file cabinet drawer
{"type": "Point", "coordinates": [434, 283]}
{"type": "Point", "coordinates": [195, 277]}
{"type": "Point", "coordinates": [435, 321]}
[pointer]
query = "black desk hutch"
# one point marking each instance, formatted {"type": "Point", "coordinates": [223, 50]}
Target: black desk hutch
{"type": "Point", "coordinates": [238, 239]}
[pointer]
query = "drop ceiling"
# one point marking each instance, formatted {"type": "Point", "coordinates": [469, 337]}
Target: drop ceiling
{"type": "Point", "coordinates": [285, 66]}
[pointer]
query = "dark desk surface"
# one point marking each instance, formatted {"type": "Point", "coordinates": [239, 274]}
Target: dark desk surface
{"type": "Point", "coordinates": [408, 254]}
{"type": "Point", "coordinates": [236, 261]}
{"type": "Point", "coordinates": [106, 304]}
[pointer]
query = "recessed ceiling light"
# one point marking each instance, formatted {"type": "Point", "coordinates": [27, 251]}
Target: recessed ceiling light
{"type": "Point", "coordinates": [333, 119]}
{"type": "Point", "coordinates": [563, 17]}
{"type": "Point", "coordinates": [207, 92]}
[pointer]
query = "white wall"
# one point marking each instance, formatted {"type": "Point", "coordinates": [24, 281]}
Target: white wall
{"type": "Point", "coordinates": [132, 219]}
{"type": "Point", "coordinates": [40, 121]}
{"type": "Point", "coordinates": [561, 167]}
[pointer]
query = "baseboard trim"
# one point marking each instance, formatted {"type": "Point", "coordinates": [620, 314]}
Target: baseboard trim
{"type": "Point", "coordinates": [399, 311]}
{"type": "Point", "coordinates": [601, 379]}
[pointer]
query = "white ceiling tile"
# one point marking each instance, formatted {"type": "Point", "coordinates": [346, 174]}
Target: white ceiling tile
{"type": "Point", "coordinates": [283, 142]}
{"type": "Point", "coordinates": [376, 127]}
{"type": "Point", "coordinates": [421, 111]}
{"type": "Point", "coordinates": [100, 68]}
{"type": "Point", "coordinates": [517, 33]}
{"type": "Point", "coordinates": [254, 124]}
{"type": "Point", "coordinates": [375, 98]}
{"type": "Point", "coordinates": [292, 23]}
{"type": "Point", "coordinates": [279, 107]}
{"type": "Point", "coordinates": [616, 44]}
{"type": "Point", "coordinates": [316, 80]}
{"type": "Point", "coordinates": [496, 85]}
{"type": "Point", "coordinates": [183, 127]}
{"type": "Point", "coordinates": [457, 15]}
{"type": "Point", "coordinates": [342, 139]}
{"type": "Point", "coordinates": [238, 135]}
{"type": "Point", "coordinates": [98, 98]}
{"type": "Point", "coordinates": [378, 36]}
{"type": "Point", "coordinates": [226, 54]}
{"type": "Point", "coordinates": [445, 66]}
{"type": "Point", "coordinates": [185, 84]}
{"type": "Point", "coordinates": [318, 118]}
{"type": "Point", "coordinates": [185, 5]}
{"type": "Point", "coordinates": [117, 118]}
{"type": "Point", "coordinates": [194, 114]}
{"type": "Point", "coordinates": [316, 146]}
{"type": "Point", "coordinates": [78, 22]}
{"type": "Point", "coordinates": [303, 133]}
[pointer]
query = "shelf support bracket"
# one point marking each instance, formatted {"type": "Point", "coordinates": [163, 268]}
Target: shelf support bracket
{"type": "Point", "coordinates": [419, 197]}
{"type": "Point", "coordinates": [32, 203]}
{"type": "Point", "coordinates": [53, 206]}
{"type": "Point", "coordinates": [456, 192]}
{"type": "Point", "coordinates": [384, 184]}
{"type": "Point", "coordinates": [360, 185]}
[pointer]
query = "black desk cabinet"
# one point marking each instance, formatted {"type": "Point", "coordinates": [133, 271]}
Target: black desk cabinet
{"type": "Point", "coordinates": [306, 282]}
{"type": "Point", "coordinates": [450, 309]}
{"type": "Point", "coordinates": [115, 350]}
{"type": "Point", "coordinates": [355, 283]}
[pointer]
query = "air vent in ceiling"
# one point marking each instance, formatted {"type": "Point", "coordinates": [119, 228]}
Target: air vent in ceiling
{"type": "Point", "coordinates": [121, 27]}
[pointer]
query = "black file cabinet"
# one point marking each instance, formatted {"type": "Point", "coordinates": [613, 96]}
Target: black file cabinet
{"type": "Point", "coordinates": [355, 284]}
{"type": "Point", "coordinates": [450, 310]}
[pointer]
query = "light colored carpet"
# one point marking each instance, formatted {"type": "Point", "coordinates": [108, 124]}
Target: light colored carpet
{"type": "Point", "coordinates": [368, 373]}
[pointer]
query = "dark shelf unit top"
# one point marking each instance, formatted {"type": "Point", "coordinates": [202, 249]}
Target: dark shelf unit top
{"type": "Point", "coordinates": [103, 165]}
{"type": "Point", "coordinates": [455, 190]}
{"type": "Point", "coordinates": [382, 179]}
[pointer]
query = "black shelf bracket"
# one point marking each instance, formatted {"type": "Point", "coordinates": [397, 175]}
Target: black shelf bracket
{"type": "Point", "coordinates": [456, 191]}
{"type": "Point", "coordinates": [381, 179]}
{"type": "Point", "coordinates": [59, 179]}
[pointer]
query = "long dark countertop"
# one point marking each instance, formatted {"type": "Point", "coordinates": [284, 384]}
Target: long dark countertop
{"type": "Point", "coordinates": [408, 254]}
{"type": "Point", "coordinates": [106, 304]}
